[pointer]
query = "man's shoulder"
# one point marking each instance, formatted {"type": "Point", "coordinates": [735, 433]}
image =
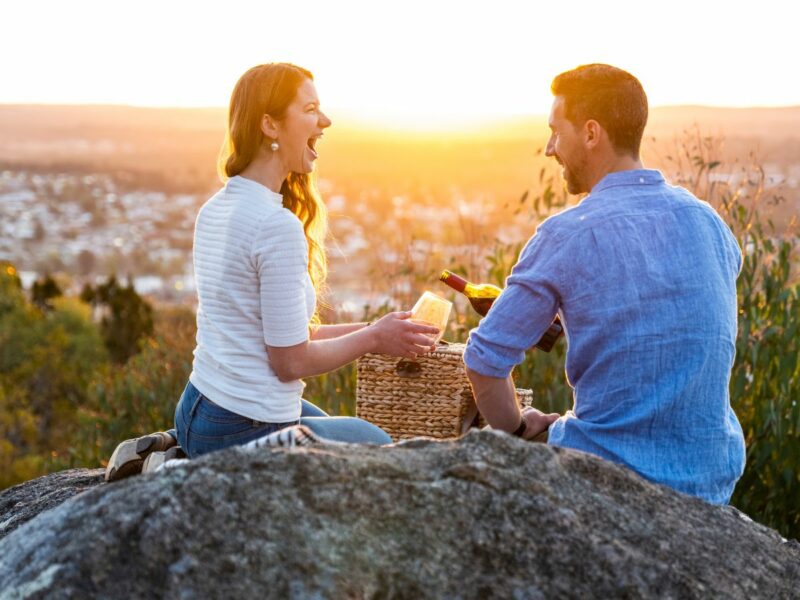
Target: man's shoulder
{"type": "Point", "coordinates": [623, 201]}
{"type": "Point", "coordinates": [568, 222]}
{"type": "Point", "coordinates": [685, 199]}
{"type": "Point", "coordinates": [559, 220]}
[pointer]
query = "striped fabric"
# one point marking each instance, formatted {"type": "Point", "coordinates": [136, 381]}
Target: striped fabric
{"type": "Point", "coordinates": [253, 290]}
{"type": "Point", "coordinates": [171, 464]}
{"type": "Point", "coordinates": [289, 437]}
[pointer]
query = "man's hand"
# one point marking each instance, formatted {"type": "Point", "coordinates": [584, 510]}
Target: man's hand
{"type": "Point", "coordinates": [497, 401]}
{"type": "Point", "coordinates": [536, 422]}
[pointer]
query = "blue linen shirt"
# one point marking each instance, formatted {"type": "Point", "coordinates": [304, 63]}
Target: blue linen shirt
{"type": "Point", "coordinates": [643, 276]}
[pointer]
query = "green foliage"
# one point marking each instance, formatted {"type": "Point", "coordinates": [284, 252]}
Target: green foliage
{"type": "Point", "coordinates": [127, 317]}
{"type": "Point", "coordinates": [47, 360]}
{"type": "Point", "coordinates": [765, 386]}
{"type": "Point", "coordinates": [765, 383]}
{"type": "Point", "coordinates": [140, 396]}
{"type": "Point", "coordinates": [11, 295]}
{"type": "Point", "coordinates": [43, 291]}
{"type": "Point", "coordinates": [334, 392]}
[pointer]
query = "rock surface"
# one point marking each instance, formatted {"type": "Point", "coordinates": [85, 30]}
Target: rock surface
{"type": "Point", "coordinates": [21, 503]}
{"type": "Point", "coordinates": [488, 516]}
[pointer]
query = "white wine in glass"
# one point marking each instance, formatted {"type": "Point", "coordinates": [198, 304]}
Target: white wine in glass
{"type": "Point", "coordinates": [432, 310]}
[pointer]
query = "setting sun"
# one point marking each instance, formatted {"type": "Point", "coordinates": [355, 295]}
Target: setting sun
{"type": "Point", "coordinates": [418, 65]}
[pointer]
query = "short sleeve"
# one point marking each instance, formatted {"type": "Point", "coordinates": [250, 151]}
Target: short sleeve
{"type": "Point", "coordinates": [280, 254]}
{"type": "Point", "coordinates": [522, 313]}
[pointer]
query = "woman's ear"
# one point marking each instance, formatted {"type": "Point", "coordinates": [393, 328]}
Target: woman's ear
{"type": "Point", "coordinates": [269, 127]}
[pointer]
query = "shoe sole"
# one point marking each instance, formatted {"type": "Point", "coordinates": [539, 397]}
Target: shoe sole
{"type": "Point", "coordinates": [125, 461]}
{"type": "Point", "coordinates": [128, 458]}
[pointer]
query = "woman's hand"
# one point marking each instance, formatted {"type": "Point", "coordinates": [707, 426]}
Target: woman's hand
{"type": "Point", "coordinates": [536, 422]}
{"type": "Point", "coordinates": [396, 335]}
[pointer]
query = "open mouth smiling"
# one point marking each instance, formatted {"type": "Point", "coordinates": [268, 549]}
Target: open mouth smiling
{"type": "Point", "coordinates": [312, 143]}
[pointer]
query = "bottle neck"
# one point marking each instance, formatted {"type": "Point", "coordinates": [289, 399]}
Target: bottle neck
{"type": "Point", "coordinates": [459, 284]}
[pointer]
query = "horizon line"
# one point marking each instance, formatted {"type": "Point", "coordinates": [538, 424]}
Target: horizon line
{"type": "Point", "coordinates": [349, 110]}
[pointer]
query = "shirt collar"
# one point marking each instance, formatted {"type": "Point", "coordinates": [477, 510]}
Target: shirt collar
{"type": "Point", "coordinates": [631, 177]}
{"type": "Point", "coordinates": [243, 184]}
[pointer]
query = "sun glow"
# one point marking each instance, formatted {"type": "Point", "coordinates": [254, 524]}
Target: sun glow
{"type": "Point", "coordinates": [417, 65]}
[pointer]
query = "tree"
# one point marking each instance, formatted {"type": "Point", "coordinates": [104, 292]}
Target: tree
{"type": "Point", "coordinates": [127, 318]}
{"type": "Point", "coordinates": [47, 361]}
{"type": "Point", "coordinates": [140, 396]}
{"type": "Point", "coordinates": [43, 291]}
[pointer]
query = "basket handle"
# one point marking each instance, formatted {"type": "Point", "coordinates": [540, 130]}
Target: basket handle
{"type": "Point", "coordinates": [408, 369]}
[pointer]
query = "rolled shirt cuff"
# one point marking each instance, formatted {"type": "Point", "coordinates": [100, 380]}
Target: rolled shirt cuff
{"type": "Point", "coordinates": [481, 360]}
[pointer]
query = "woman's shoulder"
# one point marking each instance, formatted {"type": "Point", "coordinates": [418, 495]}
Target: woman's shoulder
{"type": "Point", "coordinates": [281, 219]}
{"type": "Point", "coordinates": [279, 231]}
{"type": "Point", "coordinates": [251, 207]}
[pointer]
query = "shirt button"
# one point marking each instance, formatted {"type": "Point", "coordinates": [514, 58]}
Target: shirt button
{"type": "Point", "coordinates": [641, 179]}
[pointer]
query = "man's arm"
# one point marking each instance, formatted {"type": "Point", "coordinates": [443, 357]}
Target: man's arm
{"type": "Point", "coordinates": [497, 401]}
{"type": "Point", "coordinates": [516, 321]}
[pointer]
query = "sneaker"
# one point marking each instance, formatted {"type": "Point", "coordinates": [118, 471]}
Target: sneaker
{"type": "Point", "coordinates": [156, 459]}
{"type": "Point", "coordinates": [129, 456]}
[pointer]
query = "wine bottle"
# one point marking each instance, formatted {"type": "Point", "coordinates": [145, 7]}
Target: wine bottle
{"type": "Point", "coordinates": [482, 295]}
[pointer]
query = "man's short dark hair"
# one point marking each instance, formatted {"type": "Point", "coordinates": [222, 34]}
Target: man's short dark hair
{"type": "Point", "coordinates": [612, 97]}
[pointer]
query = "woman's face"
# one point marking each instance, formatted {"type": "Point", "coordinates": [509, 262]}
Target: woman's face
{"type": "Point", "coordinates": [299, 131]}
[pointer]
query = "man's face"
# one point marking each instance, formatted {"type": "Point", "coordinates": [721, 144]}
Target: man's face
{"type": "Point", "coordinates": [566, 146]}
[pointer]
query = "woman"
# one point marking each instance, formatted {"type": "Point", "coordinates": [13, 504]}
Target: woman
{"type": "Point", "coordinates": [259, 264]}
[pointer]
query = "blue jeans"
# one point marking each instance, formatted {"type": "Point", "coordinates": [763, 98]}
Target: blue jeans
{"type": "Point", "coordinates": [202, 426]}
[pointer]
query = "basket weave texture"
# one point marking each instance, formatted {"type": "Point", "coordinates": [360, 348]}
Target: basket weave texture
{"type": "Point", "coordinates": [429, 396]}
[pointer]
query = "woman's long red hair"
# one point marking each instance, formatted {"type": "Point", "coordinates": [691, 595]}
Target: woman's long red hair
{"type": "Point", "coordinates": [270, 89]}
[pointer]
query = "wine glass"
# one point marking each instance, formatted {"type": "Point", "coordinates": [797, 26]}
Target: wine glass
{"type": "Point", "coordinates": [434, 310]}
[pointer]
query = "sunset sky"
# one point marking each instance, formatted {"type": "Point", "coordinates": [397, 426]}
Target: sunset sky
{"type": "Point", "coordinates": [410, 62]}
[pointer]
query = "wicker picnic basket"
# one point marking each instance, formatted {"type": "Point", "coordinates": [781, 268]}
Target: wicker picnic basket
{"type": "Point", "coordinates": [429, 396]}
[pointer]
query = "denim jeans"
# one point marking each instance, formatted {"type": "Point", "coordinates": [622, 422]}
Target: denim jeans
{"type": "Point", "coordinates": [202, 426]}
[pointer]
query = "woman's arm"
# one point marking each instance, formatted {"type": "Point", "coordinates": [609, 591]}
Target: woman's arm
{"type": "Point", "coordinates": [393, 334]}
{"type": "Point", "coordinates": [327, 332]}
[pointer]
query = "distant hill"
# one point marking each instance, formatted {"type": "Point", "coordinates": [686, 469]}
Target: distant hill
{"type": "Point", "coordinates": [778, 123]}
{"type": "Point", "coordinates": [177, 147]}
{"type": "Point", "coordinates": [127, 124]}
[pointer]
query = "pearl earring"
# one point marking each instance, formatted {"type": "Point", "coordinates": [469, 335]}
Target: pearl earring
{"type": "Point", "coordinates": [274, 146]}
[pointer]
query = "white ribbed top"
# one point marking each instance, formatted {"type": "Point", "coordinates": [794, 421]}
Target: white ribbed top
{"type": "Point", "coordinates": [253, 290]}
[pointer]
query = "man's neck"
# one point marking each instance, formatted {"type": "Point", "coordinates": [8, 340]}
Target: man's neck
{"type": "Point", "coordinates": [614, 164]}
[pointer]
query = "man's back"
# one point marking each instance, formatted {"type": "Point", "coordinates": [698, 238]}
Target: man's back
{"type": "Point", "coordinates": [643, 275]}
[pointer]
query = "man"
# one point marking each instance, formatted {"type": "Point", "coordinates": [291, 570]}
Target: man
{"type": "Point", "coordinates": [643, 276]}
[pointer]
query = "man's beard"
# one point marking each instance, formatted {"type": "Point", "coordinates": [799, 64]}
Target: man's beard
{"type": "Point", "coordinates": [572, 180]}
